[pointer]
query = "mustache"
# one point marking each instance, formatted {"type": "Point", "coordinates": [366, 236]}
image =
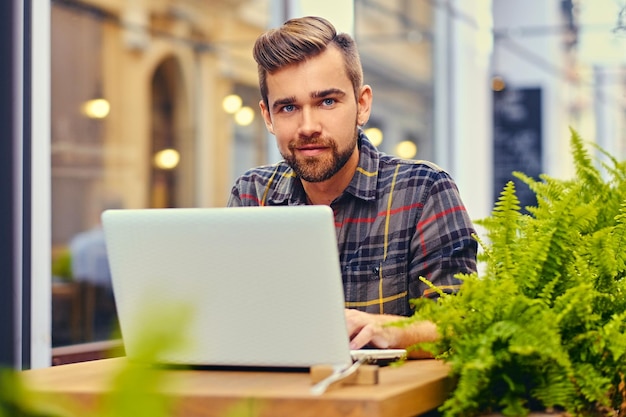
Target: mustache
{"type": "Point", "coordinates": [296, 143]}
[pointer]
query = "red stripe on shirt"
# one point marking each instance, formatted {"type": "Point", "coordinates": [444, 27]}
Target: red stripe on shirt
{"type": "Point", "coordinates": [380, 214]}
{"type": "Point", "coordinates": [420, 225]}
{"type": "Point", "coordinates": [439, 215]}
{"type": "Point", "coordinates": [250, 197]}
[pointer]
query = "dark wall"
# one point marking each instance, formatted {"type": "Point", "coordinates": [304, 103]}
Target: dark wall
{"type": "Point", "coordinates": [517, 143]}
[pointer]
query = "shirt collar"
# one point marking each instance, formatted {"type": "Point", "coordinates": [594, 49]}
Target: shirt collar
{"type": "Point", "coordinates": [365, 179]}
{"type": "Point", "coordinates": [289, 188]}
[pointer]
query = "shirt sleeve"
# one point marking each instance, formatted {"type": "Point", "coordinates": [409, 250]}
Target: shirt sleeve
{"type": "Point", "coordinates": [442, 243]}
{"type": "Point", "coordinates": [234, 200]}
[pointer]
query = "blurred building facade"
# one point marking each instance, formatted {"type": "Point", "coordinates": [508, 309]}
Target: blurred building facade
{"type": "Point", "coordinates": [154, 103]}
{"type": "Point", "coordinates": [158, 73]}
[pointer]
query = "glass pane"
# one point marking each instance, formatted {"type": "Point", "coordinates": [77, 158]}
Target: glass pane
{"type": "Point", "coordinates": [395, 41]}
{"type": "Point", "coordinates": [139, 119]}
{"type": "Point", "coordinates": [82, 304]}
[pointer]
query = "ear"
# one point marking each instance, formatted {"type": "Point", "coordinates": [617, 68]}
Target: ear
{"type": "Point", "coordinates": [266, 117]}
{"type": "Point", "coordinates": [364, 105]}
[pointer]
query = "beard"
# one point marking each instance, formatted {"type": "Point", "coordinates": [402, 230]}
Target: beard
{"type": "Point", "coordinates": [323, 167]}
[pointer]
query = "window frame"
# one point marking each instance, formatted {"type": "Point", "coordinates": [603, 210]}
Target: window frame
{"type": "Point", "coordinates": [24, 184]}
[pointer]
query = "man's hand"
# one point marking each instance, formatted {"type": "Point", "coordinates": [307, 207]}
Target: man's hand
{"type": "Point", "coordinates": [373, 329]}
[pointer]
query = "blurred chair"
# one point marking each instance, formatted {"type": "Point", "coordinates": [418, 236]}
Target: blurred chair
{"type": "Point", "coordinates": [90, 269]}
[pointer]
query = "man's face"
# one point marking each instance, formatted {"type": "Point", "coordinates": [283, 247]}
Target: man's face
{"type": "Point", "coordinates": [314, 115]}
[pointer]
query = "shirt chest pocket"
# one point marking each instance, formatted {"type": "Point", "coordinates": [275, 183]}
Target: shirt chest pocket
{"type": "Point", "coordinates": [377, 287]}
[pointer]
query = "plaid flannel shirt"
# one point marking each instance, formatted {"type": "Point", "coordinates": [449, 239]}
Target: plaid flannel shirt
{"type": "Point", "coordinates": [397, 220]}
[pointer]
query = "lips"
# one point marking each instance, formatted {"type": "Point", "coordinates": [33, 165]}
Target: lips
{"type": "Point", "coordinates": [311, 150]}
{"type": "Point", "coordinates": [311, 147]}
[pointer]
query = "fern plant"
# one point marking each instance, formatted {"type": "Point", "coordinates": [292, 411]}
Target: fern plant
{"type": "Point", "coordinates": [542, 325]}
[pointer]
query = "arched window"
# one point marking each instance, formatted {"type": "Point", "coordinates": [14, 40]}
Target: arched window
{"type": "Point", "coordinates": [171, 150]}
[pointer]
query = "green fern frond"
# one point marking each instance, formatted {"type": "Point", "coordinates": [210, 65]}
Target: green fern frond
{"type": "Point", "coordinates": [592, 385]}
{"type": "Point", "coordinates": [586, 172]}
{"type": "Point", "coordinates": [555, 389]}
{"type": "Point", "coordinates": [617, 169]}
{"type": "Point", "coordinates": [600, 248]}
{"type": "Point", "coordinates": [504, 219]}
{"type": "Point", "coordinates": [532, 257]}
{"type": "Point", "coordinates": [546, 190]}
{"type": "Point", "coordinates": [619, 238]}
{"type": "Point", "coordinates": [575, 306]}
{"type": "Point", "coordinates": [615, 330]}
{"type": "Point", "coordinates": [485, 254]}
{"type": "Point", "coordinates": [542, 325]}
{"type": "Point", "coordinates": [433, 287]}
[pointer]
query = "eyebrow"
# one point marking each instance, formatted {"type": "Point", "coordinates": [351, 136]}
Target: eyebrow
{"type": "Point", "coordinates": [328, 92]}
{"type": "Point", "coordinates": [316, 94]}
{"type": "Point", "coordinates": [283, 102]}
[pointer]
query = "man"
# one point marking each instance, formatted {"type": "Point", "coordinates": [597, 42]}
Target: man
{"type": "Point", "coordinates": [396, 220]}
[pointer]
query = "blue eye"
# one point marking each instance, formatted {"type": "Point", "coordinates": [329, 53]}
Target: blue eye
{"type": "Point", "coordinates": [329, 101]}
{"type": "Point", "coordinates": [289, 108]}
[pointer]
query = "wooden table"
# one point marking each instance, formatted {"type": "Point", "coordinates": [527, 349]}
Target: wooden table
{"type": "Point", "coordinates": [414, 388]}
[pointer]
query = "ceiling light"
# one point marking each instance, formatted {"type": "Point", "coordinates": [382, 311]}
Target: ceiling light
{"type": "Point", "coordinates": [231, 103]}
{"type": "Point", "coordinates": [406, 149]}
{"type": "Point", "coordinates": [166, 159]}
{"type": "Point", "coordinates": [96, 109]}
{"type": "Point", "coordinates": [244, 116]}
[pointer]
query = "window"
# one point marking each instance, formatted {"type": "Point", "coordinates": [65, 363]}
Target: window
{"type": "Point", "coordinates": [157, 106]}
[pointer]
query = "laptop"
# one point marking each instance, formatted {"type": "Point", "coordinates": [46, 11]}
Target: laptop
{"type": "Point", "coordinates": [234, 287]}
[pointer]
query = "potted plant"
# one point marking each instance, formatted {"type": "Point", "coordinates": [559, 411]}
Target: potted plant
{"type": "Point", "coordinates": [541, 325]}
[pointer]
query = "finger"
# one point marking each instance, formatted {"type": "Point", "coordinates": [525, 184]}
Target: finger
{"type": "Point", "coordinates": [362, 338]}
{"type": "Point", "coordinates": [354, 322]}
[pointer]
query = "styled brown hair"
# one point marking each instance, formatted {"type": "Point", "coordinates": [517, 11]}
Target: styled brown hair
{"type": "Point", "coordinates": [299, 39]}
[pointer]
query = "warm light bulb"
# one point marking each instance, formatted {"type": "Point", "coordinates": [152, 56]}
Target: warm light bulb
{"type": "Point", "coordinates": [231, 103]}
{"type": "Point", "coordinates": [166, 159]}
{"type": "Point", "coordinates": [244, 116]}
{"type": "Point", "coordinates": [406, 149]}
{"type": "Point", "coordinates": [96, 109]}
{"type": "Point", "coordinates": [375, 135]}
{"type": "Point", "coordinates": [498, 83]}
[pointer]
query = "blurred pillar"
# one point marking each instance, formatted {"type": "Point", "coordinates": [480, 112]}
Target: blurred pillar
{"type": "Point", "coordinates": [213, 156]}
{"type": "Point", "coordinates": [601, 104]}
{"type": "Point", "coordinates": [40, 354]}
{"type": "Point", "coordinates": [608, 109]}
{"type": "Point", "coordinates": [463, 132]}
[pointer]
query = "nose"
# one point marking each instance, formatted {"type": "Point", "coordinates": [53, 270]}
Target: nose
{"type": "Point", "coordinates": [309, 123]}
